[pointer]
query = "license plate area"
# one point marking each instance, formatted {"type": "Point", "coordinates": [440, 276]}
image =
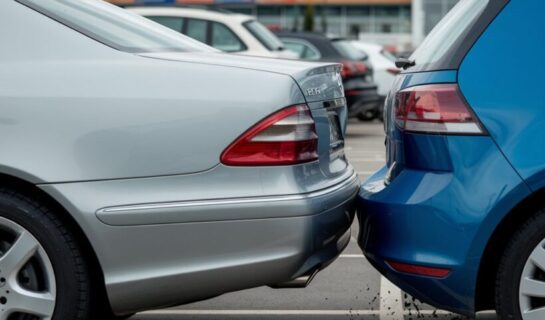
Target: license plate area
{"type": "Point", "coordinates": [336, 140]}
{"type": "Point", "coordinates": [336, 110]}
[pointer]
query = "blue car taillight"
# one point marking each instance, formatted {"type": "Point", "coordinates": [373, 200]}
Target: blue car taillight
{"type": "Point", "coordinates": [437, 109]}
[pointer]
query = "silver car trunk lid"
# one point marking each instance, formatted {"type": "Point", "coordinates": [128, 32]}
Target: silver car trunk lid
{"type": "Point", "coordinates": [320, 83]}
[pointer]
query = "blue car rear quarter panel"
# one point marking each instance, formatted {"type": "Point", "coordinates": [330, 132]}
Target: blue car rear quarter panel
{"type": "Point", "coordinates": [440, 218]}
{"type": "Point", "coordinates": [502, 79]}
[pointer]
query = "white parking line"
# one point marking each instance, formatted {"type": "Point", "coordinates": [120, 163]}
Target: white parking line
{"type": "Point", "coordinates": [281, 312]}
{"type": "Point", "coordinates": [352, 256]}
{"type": "Point", "coordinates": [391, 301]}
{"type": "Point", "coordinates": [365, 173]}
{"type": "Point", "coordinates": [262, 312]}
{"type": "Point", "coordinates": [365, 147]}
{"type": "Point", "coordinates": [366, 159]}
{"type": "Point", "coordinates": [367, 151]}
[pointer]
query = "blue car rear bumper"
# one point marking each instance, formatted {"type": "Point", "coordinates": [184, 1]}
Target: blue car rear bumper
{"type": "Point", "coordinates": [438, 218]}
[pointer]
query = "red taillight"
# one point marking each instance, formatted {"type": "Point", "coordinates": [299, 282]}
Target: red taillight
{"type": "Point", "coordinates": [435, 108]}
{"type": "Point", "coordinates": [353, 68]}
{"type": "Point", "coordinates": [353, 92]}
{"type": "Point", "coordinates": [419, 270]}
{"type": "Point", "coordinates": [285, 138]}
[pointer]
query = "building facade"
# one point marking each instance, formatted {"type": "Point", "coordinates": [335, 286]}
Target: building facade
{"type": "Point", "coordinates": [425, 15]}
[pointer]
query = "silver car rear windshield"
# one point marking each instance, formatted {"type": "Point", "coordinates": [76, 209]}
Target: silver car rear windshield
{"type": "Point", "coordinates": [115, 27]}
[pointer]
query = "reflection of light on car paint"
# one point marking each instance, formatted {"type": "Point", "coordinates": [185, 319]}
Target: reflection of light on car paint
{"type": "Point", "coordinates": [375, 186]}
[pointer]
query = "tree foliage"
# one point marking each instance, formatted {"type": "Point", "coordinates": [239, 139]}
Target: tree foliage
{"type": "Point", "coordinates": [308, 23]}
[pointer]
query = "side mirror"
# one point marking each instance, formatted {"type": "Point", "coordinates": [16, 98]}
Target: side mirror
{"type": "Point", "coordinates": [404, 63]}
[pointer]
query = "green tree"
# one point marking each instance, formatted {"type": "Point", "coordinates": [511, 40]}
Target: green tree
{"type": "Point", "coordinates": [308, 23]}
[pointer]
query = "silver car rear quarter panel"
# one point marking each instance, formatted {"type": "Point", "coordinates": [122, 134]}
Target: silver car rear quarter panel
{"type": "Point", "coordinates": [89, 112]}
{"type": "Point", "coordinates": [85, 121]}
{"type": "Point", "coordinates": [249, 244]}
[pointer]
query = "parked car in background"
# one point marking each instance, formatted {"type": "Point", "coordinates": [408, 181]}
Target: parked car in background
{"type": "Point", "coordinates": [457, 217]}
{"type": "Point", "coordinates": [229, 32]}
{"type": "Point", "coordinates": [143, 169]}
{"type": "Point", "coordinates": [360, 90]}
{"type": "Point", "coordinates": [383, 64]}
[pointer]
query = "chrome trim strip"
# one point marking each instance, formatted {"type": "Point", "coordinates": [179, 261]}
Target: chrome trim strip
{"type": "Point", "coordinates": [199, 203]}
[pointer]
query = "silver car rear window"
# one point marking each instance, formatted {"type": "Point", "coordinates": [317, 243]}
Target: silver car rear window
{"type": "Point", "coordinates": [114, 26]}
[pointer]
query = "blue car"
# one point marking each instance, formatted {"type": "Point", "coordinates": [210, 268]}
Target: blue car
{"type": "Point", "coordinates": [457, 216]}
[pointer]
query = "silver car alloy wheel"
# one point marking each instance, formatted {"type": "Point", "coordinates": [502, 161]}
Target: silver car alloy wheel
{"type": "Point", "coordinates": [532, 285]}
{"type": "Point", "coordinates": [27, 279]}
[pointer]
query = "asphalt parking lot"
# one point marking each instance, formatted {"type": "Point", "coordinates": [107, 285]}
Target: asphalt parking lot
{"type": "Point", "coordinates": [349, 289]}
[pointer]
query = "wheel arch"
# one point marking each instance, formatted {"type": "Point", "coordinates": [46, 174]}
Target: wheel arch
{"type": "Point", "coordinates": [30, 190]}
{"type": "Point", "coordinates": [488, 268]}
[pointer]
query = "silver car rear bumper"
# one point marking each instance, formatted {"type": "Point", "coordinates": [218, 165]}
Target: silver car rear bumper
{"type": "Point", "coordinates": [216, 247]}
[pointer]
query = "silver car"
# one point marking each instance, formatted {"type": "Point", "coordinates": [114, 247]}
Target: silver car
{"type": "Point", "coordinates": [141, 169]}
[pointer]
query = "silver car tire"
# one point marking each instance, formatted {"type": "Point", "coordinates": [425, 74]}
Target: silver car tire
{"type": "Point", "coordinates": [520, 284]}
{"type": "Point", "coordinates": [42, 271]}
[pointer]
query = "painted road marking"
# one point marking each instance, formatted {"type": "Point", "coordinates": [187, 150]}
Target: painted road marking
{"type": "Point", "coordinates": [352, 256]}
{"type": "Point", "coordinates": [391, 301]}
{"type": "Point", "coordinates": [367, 146]}
{"type": "Point", "coordinates": [366, 152]}
{"type": "Point", "coordinates": [366, 159]}
{"type": "Point", "coordinates": [281, 312]}
{"type": "Point", "coordinates": [365, 172]}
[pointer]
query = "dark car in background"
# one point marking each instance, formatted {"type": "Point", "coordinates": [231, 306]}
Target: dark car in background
{"type": "Point", "coordinates": [360, 90]}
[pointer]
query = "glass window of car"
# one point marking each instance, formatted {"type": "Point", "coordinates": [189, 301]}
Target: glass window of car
{"type": "Point", "coordinates": [388, 55]}
{"type": "Point", "coordinates": [224, 39]}
{"type": "Point", "coordinates": [311, 53]}
{"type": "Point", "coordinates": [348, 51]}
{"type": "Point", "coordinates": [296, 47]}
{"type": "Point", "coordinates": [445, 34]}
{"type": "Point", "coordinates": [303, 50]}
{"type": "Point", "coordinates": [174, 23]}
{"type": "Point", "coordinates": [114, 27]}
{"type": "Point", "coordinates": [264, 35]}
{"type": "Point", "coordinates": [197, 29]}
